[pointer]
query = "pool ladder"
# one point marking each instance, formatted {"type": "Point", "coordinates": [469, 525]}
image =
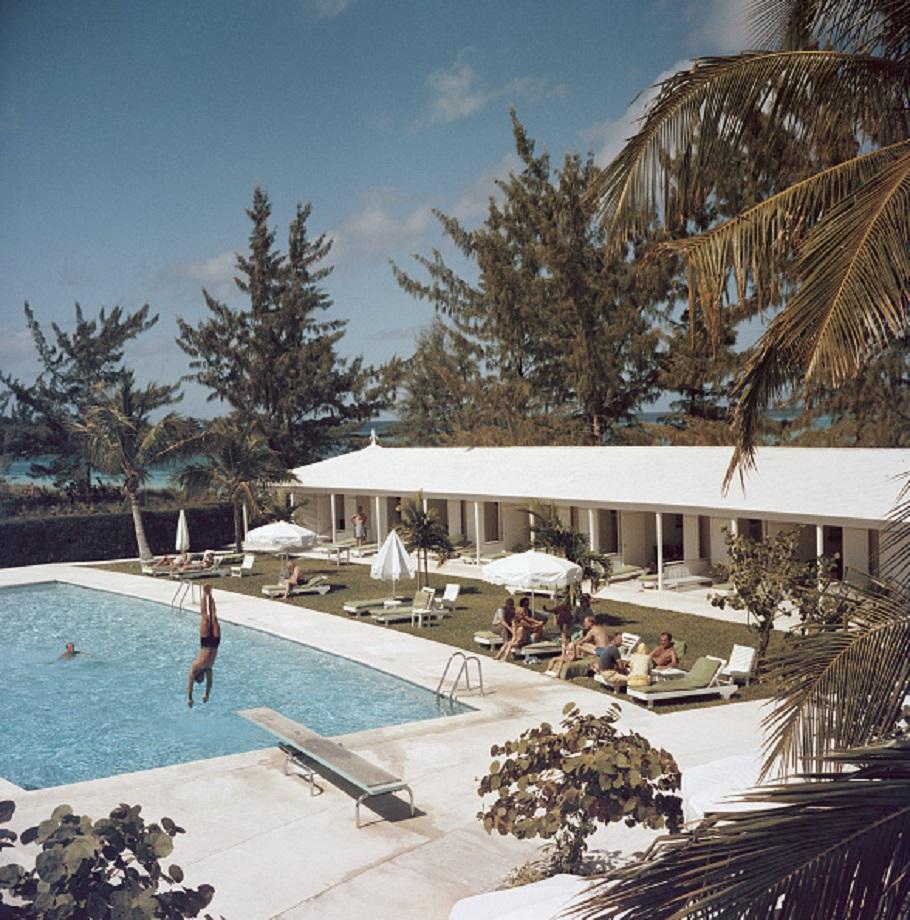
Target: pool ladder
{"type": "Point", "coordinates": [462, 669]}
{"type": "Point", "coordinates": [183, 589]}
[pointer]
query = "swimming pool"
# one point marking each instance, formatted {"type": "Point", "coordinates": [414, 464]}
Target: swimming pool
{"type": "Point", "coordinates": [121, 704]}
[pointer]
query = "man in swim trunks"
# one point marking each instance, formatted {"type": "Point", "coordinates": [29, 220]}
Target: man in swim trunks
{"type": "Point", "coordinates": [359, 520]}
{"type": "Point", "coordinates": [209, 640]}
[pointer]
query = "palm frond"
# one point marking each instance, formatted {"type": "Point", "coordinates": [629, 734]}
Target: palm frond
{"type": "Point", "coordinates": [729, 250]}
{"type": "Point", "coordinates": [834, 845]}
{"type": "Point", "coordinates": [853, 297]}
{"type": "Point", "coordinates": [704, 112]}
{"type": "Point", "coordinates": [840, 686]}
{"type": "Point", "coordinates": [868, 26]}
{"type": "Point", "coordinates": [895, 540]}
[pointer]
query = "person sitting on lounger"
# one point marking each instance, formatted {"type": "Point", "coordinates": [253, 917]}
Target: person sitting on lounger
{"type": "Point", "coordinates": [610, 664]}
{"type": "Point", "coordinates": [499, 616]}
{"type": "Point", "coordinates": [512, 631]}
{"type": "Point", "coordinates": [533, 624]}
{"type": "Point", "coordinates": [664, 655]}
{"type": "Point", "coordinates": [209, 640]}
{"type": "Point", "coordinates": [595, 639]}
{"type": "Point", "coordinates": [294, 579]}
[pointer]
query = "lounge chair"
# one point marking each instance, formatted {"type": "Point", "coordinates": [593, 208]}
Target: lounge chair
{"type": "Point", "coordinates": [702, 680]}
{"type": "Point", "coordinates": [629, 643]}
{"type": "Point", "coordinates": [216, 570]}
{"type": "Point", "coordinates": [305, 747]}
{"type": "Point", "coordinates": [488, 638]}
{"type": "Point", "coordinates": [622, 572]}
{"type": "Point", "coordinates": [368, 549]}
{"type": "Point", "coordinates": [245, 568]}
{"type": "Point", "coordinates": [364, 608]}
{"type": "Point", "coordinates": [155, 568]}
{"type": "Point", "coordinates": [468, 553]}
{"type": "Point", "coordinates": [317, 584]}
{"type": "Point", "coordinates": [740, 665]}
{"type": "Point", "coordinates": [421, 606]}
{"type": "Point", "coordinates": [449, 596]}
{"type": "Point", "coordinates": [546, 648]}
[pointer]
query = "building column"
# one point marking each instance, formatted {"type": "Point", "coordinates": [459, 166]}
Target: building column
{"type": "Point", "coordinates": [819, 541]}
{"type": "Point", "coordinates": [377, 509]}
{"type": "Point", "coordinates": [593, 535]}
{"type": "Point", "coordinates": [478, 529]}
{"type": "Point", "coordinates": [734, 527]}
{"type": "Point", "coordinates": [659, 520]}
{"type": "Point", "coordinates": [334, 516]}
{"type": "Point", "coordinates": [425, 505]}
{"type": "Point", "coordinates": [246, 519]}
{"type": "Point", "coordinates": [531, 534]}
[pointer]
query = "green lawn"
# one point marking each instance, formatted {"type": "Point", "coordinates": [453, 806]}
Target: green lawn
{"type": "Point", "coordinates": [476, 605]}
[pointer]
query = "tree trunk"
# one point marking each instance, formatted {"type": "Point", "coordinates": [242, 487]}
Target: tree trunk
{"type": "Point", "coordinates": [238, 524]}
{"type": "Point", "coordinates": [145, 553]}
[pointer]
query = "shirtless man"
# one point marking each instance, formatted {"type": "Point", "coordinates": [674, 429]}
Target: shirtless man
{"type": "Point", "coordinates": [209, 640]}
{"type": "Point", "coordinates": [69, 651]}
{"type": "Point", "coordinates": [292, 582]}
{"type": "Point", "coordinates": [664, 655]}
{"type": "Point", "coordinates": [359, 520]}
{"type": "Point", "coordinates": [594, 639]}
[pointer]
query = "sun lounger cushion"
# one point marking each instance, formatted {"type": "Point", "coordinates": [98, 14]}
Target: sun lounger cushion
{"type": "Point", "coordinates": [702, 674]}
{"type": "Point", "coordinates": [488, 637]}
{"type": "Point", "coordinates": [539, 649]}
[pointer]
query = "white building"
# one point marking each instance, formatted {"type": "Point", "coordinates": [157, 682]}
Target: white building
{"type": "Point", "coordinates": [646, 505]}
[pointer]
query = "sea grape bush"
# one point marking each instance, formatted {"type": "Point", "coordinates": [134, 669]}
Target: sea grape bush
{"type": "Point", "coordinates": [102, 869]}
{"type": "Point", "coordinates": [558, 784]}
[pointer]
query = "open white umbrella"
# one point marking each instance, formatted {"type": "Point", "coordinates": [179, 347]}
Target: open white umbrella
{"type": "Point", "coordinates": [280, 537]}
{"type": "Point", "coordinates": [182, 543]}
{"type": "Point", "coordinates": [392, 561]}
{"type": "Point", "coordinates": [532, 570]}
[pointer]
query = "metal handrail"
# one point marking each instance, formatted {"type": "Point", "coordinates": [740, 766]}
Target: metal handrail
{"type": "Point", "coordinates": [463, 669]}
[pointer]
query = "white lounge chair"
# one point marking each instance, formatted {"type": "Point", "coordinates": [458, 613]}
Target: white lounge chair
{"type": "Point", "coordinates": [421, 606]}
{"type": "Point", "coordinates": [365, 607]}
{"type": "Point", "coordinates": [315, 585]}
{"type": "Point", "coordinates": [702, 680]}
{"type": "Point", "coordinates": [629, 644]}
{"type": "Point", "coordinates": [245, 567]}
{"type": "Point", "coordinates": [488, 638]}
{"type": "Point", "coordinates": [740, 665]}
{"type": "Point", "coordinates": [449, 596]}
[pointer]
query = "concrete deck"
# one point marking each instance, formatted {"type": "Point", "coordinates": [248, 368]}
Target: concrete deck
{"type": "Point", "coordinates": [272, 850]}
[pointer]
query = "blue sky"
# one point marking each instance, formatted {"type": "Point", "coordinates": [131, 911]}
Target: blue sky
{"type": "Point", "coordinates": [132, 136]}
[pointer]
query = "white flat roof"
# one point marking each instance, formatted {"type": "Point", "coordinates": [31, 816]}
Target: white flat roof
{"type": "Point", "coordinates": [790, 483]}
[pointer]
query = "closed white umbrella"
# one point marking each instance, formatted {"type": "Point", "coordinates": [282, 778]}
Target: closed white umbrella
{"type": "Point", "coordinates": [392, 561]}
{"type": "Point", "coordinates": [182, 543]}
{"type": "Point", "coordinates": [280, 537]}
{"type": "Point", "coordinates": [532, 570]}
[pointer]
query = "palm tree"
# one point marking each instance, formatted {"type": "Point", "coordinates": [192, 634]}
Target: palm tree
{"type": "Point", "coordinates": [551, 533]}
{"type": "Point", "coordinates": [423, 531]}
{"type": "Point", "coordinates": [238, 465]}
{"type": "Point", "coordinates": [121, 439]}
{"type": "Point", "coordinates": [827, 70]}
{"type": "Point", "coordinates": [836, 844]}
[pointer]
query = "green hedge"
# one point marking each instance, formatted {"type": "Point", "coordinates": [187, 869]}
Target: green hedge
{"type": "Point", "coordinates": [91, 537]}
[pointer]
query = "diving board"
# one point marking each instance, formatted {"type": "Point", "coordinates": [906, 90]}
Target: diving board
{"type": "Point", "coordinates": [301, 742]}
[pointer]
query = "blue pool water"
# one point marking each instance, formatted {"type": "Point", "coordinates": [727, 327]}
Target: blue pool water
{"type": "Point", "coordinates": [121, 705]}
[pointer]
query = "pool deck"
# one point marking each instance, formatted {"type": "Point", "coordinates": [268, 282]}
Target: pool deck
{"type": "Point", "coordinates": [272, 850]}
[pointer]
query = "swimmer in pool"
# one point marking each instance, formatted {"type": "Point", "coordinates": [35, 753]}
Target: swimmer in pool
{"type": "Point", "coordinates": [70, 651]}
{"type": "Point", "coordinates": [209, 640]}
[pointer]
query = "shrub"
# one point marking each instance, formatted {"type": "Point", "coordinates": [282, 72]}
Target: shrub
{"type": "Point", "coordinates": [102, 869]}
{"type": "Point", "coordinates": [88, 537]}
{"type": "Point", "coordinates": [559, 784]}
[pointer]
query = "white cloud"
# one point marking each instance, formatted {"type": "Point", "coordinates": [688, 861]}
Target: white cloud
{"type": "Point", "coordinates": [216, 274]}
{"type": "Point", "coordinates": [389, 222]}
{"type": "Point", "coordinates": [458, 91]}
{"type": "Point", "coordinates": [607, 138]}
{"type": "Point", "coordinates": [326, 9]}
{"type": "Point", "coordinates": [473, 201]}
{"type": "Point", "coordinates": [719, 26]}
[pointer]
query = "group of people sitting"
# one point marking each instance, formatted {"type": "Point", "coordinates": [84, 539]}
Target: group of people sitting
{"type": "Point", "coordinates": [183, 562]}
{"type": "Point", "coordinates": [583, 633]}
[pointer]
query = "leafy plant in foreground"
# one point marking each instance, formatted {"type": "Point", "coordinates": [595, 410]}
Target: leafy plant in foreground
{"type": "Point", "coordinates": [101, 869]}
{"type": "Point", "coordinates": [560, 784]}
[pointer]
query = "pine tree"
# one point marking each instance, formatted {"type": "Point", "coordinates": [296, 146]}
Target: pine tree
{"type": "Point", "coordinates": [73, 368]}
{"type": "Point", "coordinates": [554, 321]}
{"type": "Point", "coordinates": [275, 361]}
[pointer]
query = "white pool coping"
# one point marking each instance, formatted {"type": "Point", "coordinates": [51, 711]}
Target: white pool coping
{"type": "Point", "coordinates": [270, 849]}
